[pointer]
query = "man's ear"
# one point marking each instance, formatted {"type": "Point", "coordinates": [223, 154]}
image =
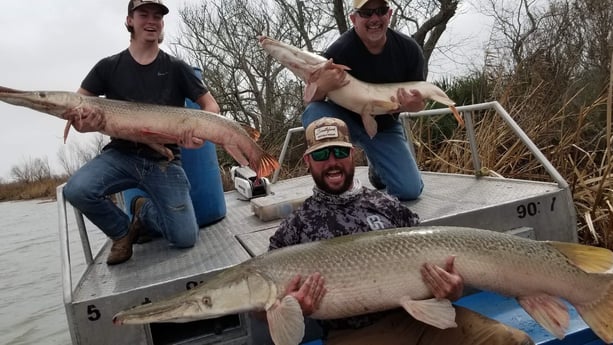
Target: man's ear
{"type": "Point", "coordinates": [307, 161]}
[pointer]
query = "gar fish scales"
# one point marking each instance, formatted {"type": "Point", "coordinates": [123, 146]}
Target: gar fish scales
{"type": "Point", "coordinates": [151, 124]}
{"type": "Point", "coordinates": [379, 270]}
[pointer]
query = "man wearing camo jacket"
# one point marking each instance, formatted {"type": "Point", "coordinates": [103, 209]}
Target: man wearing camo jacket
{"type": "Point", "coordinates": [340, 205]}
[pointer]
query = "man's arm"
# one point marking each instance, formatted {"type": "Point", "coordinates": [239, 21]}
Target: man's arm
{"type": "Point", "coordinates": [208, 103]}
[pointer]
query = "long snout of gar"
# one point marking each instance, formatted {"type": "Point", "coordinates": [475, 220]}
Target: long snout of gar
{"type": "Point", "coordinates": [366, 99]}
{"type": "Point", "coordinates": [151, 124]}
{"type": "Point", "coordinates": [379, 270]}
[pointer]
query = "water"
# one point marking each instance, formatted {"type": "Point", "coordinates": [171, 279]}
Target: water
{"type": "Point", "coordinates": [31, 305]}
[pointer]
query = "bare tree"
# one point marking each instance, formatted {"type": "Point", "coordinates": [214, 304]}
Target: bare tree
{"type": "Point", "coordinates": [73, 156]}
{"type": "Point", "coordinates": [220, 38]}
{"type": "Point", "coordinates": [31, 170]}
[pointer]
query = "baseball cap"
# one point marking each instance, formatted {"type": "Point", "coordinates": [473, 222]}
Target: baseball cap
{"type": "Point", "coordinates": [326, 132]}
{"type": "Point", "coordinates": [357, 4]}
{"type": "Point", "coordinates": [134, 4]}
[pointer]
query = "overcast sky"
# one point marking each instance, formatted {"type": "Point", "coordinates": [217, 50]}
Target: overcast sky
{"type": "Point", "coordinates": [52, 45]}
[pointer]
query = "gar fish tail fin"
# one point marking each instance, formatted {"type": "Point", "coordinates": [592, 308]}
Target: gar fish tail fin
{"type": "Point", "coordinates": [251, 132]}
{"type": "Point", "coordinates": [588, 258]}
{"type": "Point", "coordinates": [598, 313]}
{"type": "Point", "coordinates": [436, 94]}
{"type": "Point", "coordinates": [266, 165]}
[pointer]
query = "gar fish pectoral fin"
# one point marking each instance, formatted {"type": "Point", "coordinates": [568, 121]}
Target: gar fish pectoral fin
{"type": "Point", "coordinates": [67, 129]}
{"type": "Point", "coordinates": [309, 91]}
{"type": "Point", "coordinates": [286, 322]}
{"type": "Point", "coordinates": [436, 312]}
{"type": "Point", "coordinates": [550, 312]}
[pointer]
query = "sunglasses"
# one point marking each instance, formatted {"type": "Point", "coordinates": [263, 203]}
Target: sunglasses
{"type": "Point", "coordinates": [368, 12]}
{"type": "Point", "coordinates": [321, 155]}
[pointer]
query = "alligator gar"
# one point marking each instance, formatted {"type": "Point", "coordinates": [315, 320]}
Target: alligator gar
{"type": "Point", "coordinates": [379, 270]}
{"type": "Point", "coordinates": [366, 99]}
{"type": "Point", "coordinates": [151, 124]}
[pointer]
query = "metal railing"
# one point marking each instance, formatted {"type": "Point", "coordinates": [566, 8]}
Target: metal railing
{"type": "Point", "coordinates": [466, 112]}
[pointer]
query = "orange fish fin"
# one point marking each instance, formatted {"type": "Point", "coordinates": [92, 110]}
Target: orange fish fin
{"type": "Point", "coordinates": [251, 132]}
{"type": "Point", "coordinates": [588, 258]}
{"type": "Point", "coordinates": [266, 165]}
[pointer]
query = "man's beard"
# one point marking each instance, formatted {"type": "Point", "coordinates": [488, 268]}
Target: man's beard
{"type": "Point", "coordinates": [321, 183]}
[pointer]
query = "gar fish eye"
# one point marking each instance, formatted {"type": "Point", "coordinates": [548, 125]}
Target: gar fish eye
{"type": "Point", "coordinates": [206, 300]}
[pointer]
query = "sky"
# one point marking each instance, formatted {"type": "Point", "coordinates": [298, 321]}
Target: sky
{"type": "Point", "coordinates": [52, 45]}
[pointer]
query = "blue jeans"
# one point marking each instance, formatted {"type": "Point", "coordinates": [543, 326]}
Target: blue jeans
{"type": "Point", "coordinates": [169, 212]}
{"type": "Point", "coordinates": [388, 152]}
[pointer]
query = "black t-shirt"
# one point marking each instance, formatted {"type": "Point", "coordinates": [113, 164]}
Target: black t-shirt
{"type": "Point", "coordinates": [401, 60]}
{"type": "Point", "coordinates": [165, 81]}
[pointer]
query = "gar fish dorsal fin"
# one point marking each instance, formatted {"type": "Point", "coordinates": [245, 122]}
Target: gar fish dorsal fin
{"type": "Point", "coordinates": [436, 312]}
{"type": "Point", "coordinates": [550, 312]}
{"type": "Point", "coordinates": [588, 258]}
{"type": "Point", "coordinates": [286, 322]}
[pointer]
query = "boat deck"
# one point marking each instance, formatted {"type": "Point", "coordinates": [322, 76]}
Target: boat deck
{"type": "Point", "coordinates": [447, 199]}
{"type": "Point", "coordinates": [539, 210]}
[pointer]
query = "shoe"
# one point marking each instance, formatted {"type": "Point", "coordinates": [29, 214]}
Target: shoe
{"type": "Point", "coordinates": [374, 179]}
{"type": "Point", "coordinates": [121, 250]}
{"type": "Point", "coordinates": [144, 235]}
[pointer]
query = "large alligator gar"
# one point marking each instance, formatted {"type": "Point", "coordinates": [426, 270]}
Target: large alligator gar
{"type": "Point", "coordinates": [154, 125]}
{"type": "Point", "coordinates": [366, 99]}
{"type": "Point", "coordinates": [379, 270]}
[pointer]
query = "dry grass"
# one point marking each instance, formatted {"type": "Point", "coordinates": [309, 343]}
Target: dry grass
{"type": "Point", "coordinates": [574, 141]}
{"type": "Point", "coordinates": [44, 189]}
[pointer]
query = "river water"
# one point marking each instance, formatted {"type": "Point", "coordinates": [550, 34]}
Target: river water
{"type": "Point", "coordinates": [31, 305]}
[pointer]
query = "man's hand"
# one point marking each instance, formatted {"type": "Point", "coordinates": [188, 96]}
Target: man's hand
{"type": "Point", "coordinates": [189, 141]}
{"type": "Point", "coordinates": [443, 283]}
{"type": "Point", "coordinates": [86, 119]}
{"type": "Point", "coordinates": [411, 100]}
{"type": "Point", "coordinates": [309, 294]}
{"type": "Point", "coordinates": [326, 79]}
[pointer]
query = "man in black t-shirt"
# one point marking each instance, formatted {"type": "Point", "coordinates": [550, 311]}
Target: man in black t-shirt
{"type": "Point", "coordinates": [376, 54]}
{"type": "Point", "coordinates": [140, 73]}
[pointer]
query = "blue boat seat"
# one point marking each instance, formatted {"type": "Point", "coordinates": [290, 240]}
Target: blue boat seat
{"type": "Point", "coordinates": [509, 312]}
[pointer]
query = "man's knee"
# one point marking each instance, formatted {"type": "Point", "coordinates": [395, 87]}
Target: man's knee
{"type": "Point", "coordinates": [504, 335]}
{"type": "Point", "coordinates": [480, 329]}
